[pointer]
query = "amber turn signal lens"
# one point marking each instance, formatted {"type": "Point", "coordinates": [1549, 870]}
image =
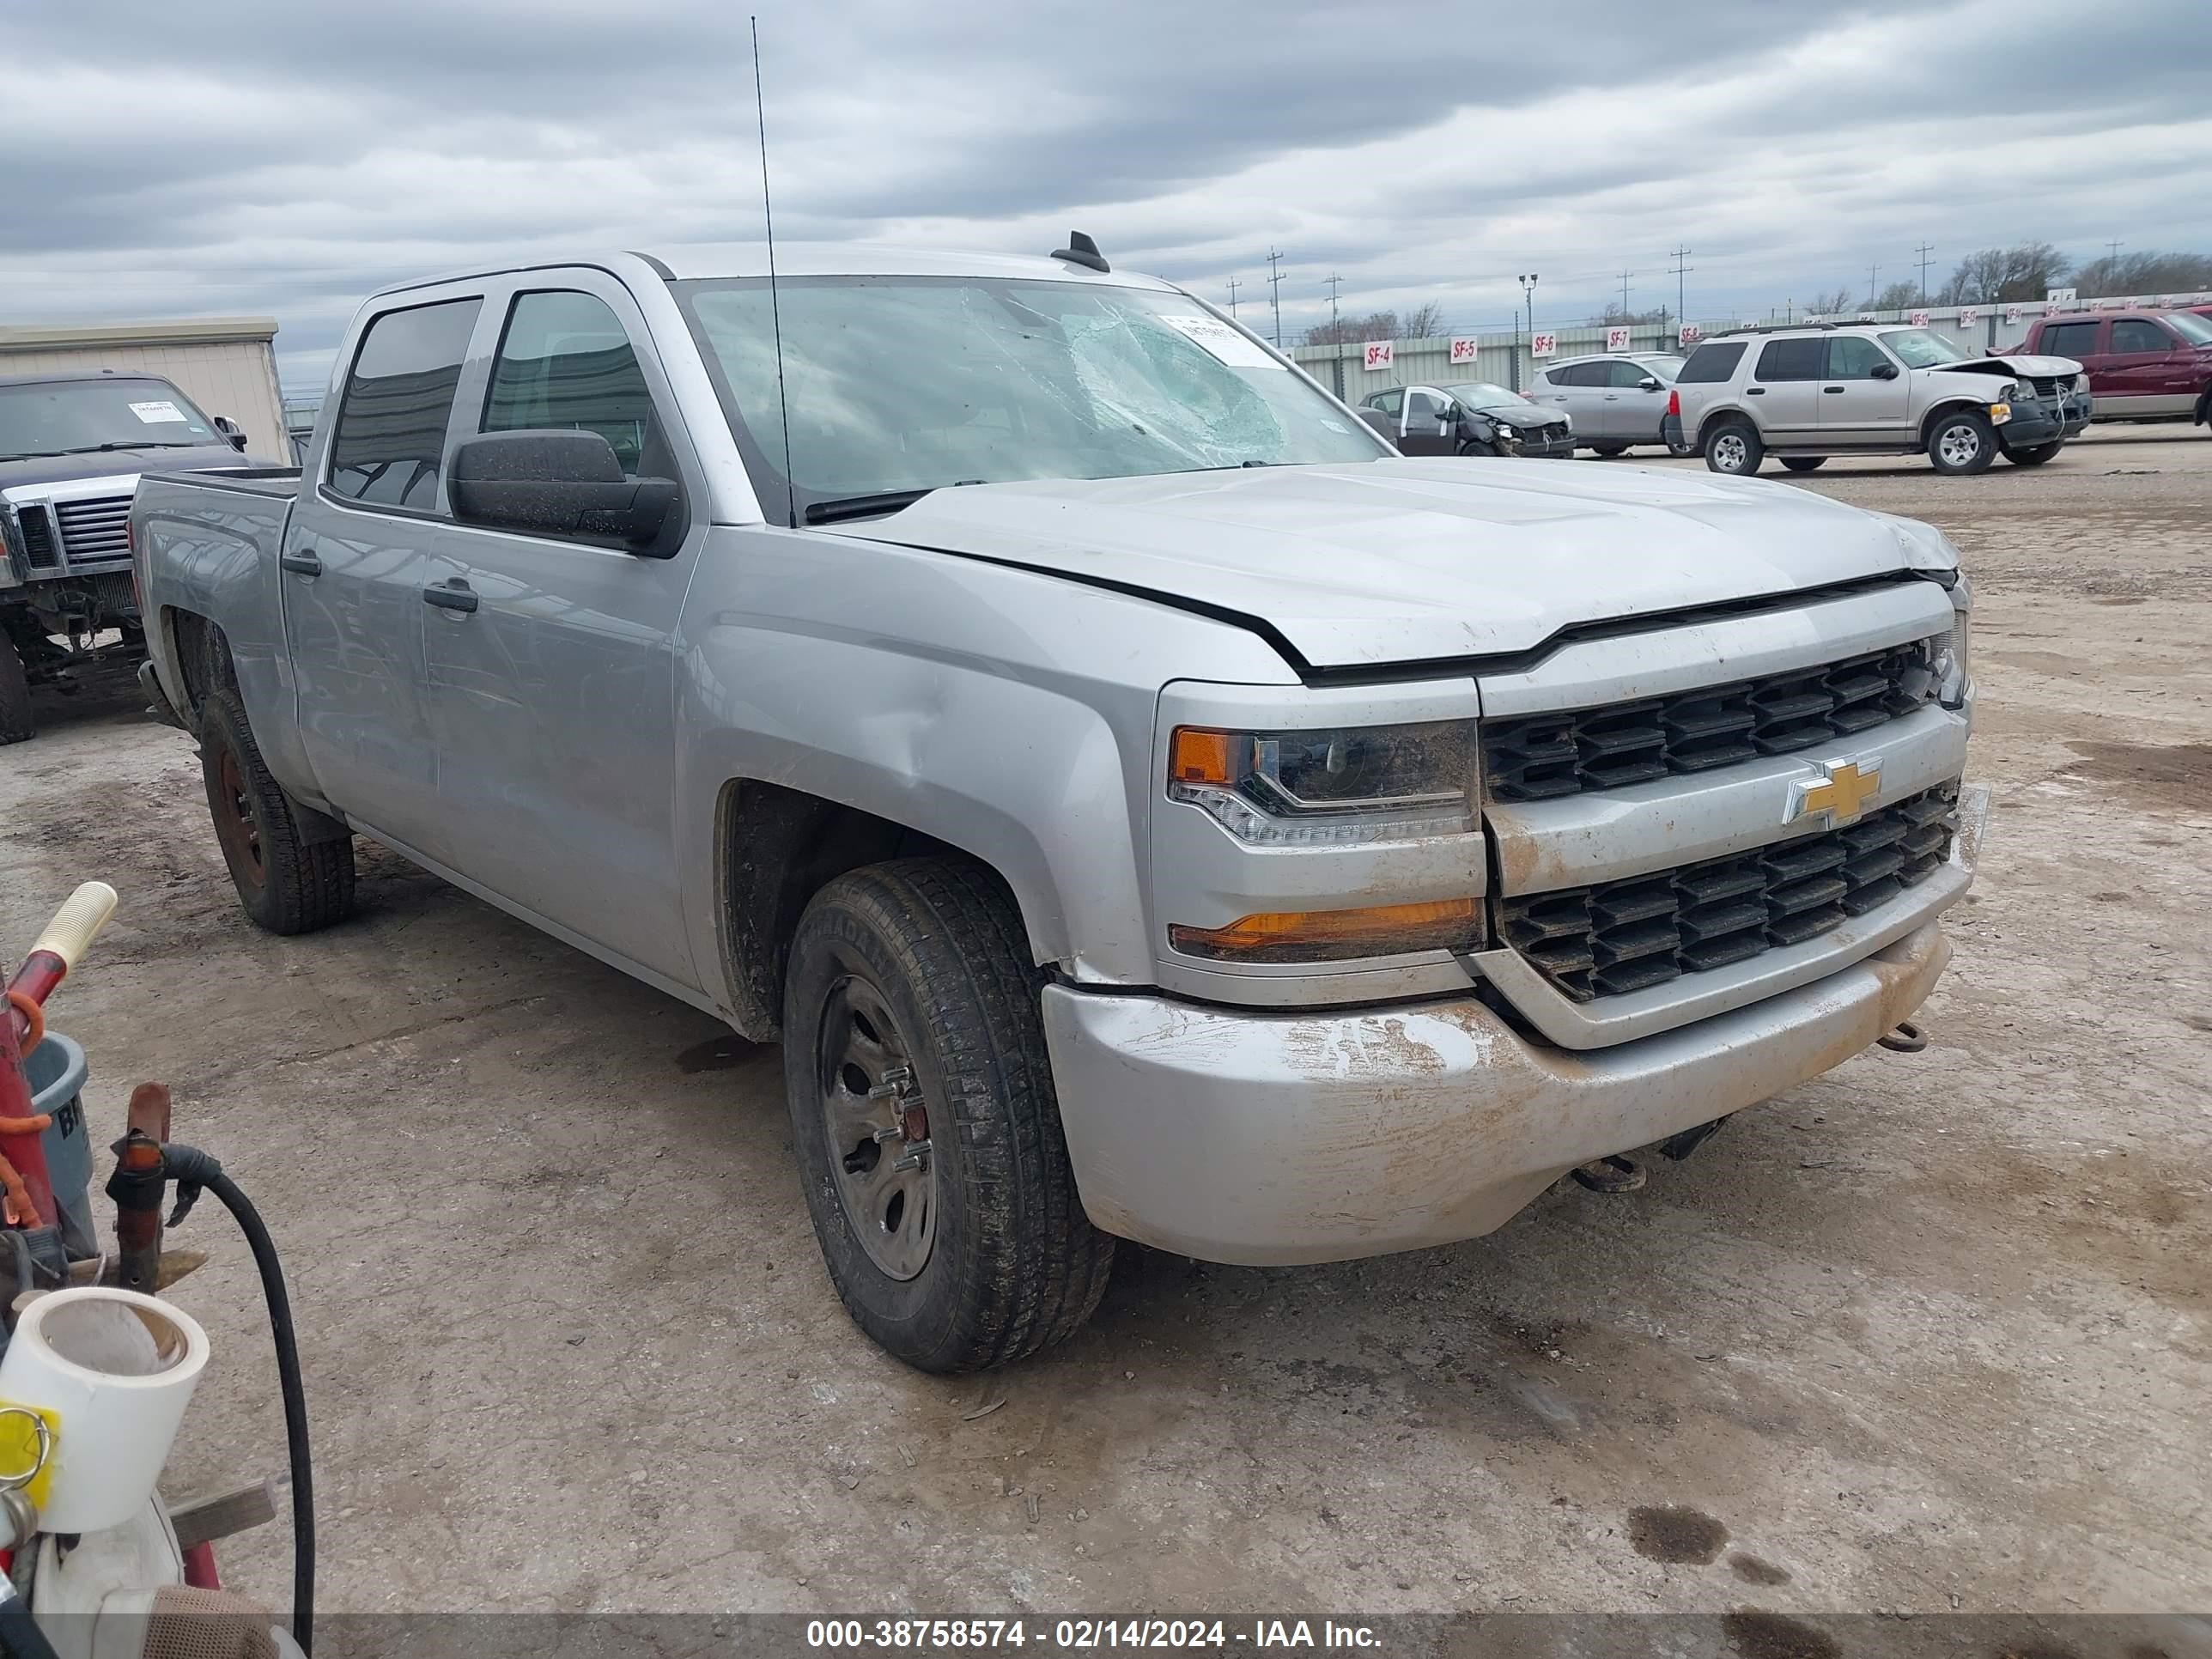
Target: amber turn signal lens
{"type": "Point", "coordinates": [1324, 935]}
{"type": "Point", "coordinates": [1198, 756]}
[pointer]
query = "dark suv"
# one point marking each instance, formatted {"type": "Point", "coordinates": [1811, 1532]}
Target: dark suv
{"type": "Point", "coordinates": [2142, 365]}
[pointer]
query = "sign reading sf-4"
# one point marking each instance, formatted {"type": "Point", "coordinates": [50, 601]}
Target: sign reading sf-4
{"type": "Point", "coordinates": [1379, 354]}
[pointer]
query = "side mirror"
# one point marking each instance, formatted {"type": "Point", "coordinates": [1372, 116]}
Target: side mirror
{"type": "Point", "coordinates": [232, 430]}
{"type": "Point", "coordinates": [558, 483]}
{"type": "Point", "coordinates": [1884, 371]}
{"type": "Point", "coordinates": [1648, 383]}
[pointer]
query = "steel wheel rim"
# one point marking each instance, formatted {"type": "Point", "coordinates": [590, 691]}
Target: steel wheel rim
{"type": "Point", "coordinates": [236, 826]}
{"type": "Point", "coordinates": [1729, 450]}
{"type": "Point", "coordinates": [1959, 444]}
{"type": "Point", "coordinates": [885, 1176]}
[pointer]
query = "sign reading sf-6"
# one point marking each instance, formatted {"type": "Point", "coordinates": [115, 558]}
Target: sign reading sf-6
{"type": "Point", "coordinates": [1543, 345]}
{"type": "Point", "coordinates": [1379, 354]}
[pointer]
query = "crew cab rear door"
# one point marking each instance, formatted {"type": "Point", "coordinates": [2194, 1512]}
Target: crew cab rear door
{"type": "Point", "coordinates": [372, 510]}
{"type": "Point", "coordinates": [549, 660]}
{"type": "Point", "coordinates": [2148, 369]}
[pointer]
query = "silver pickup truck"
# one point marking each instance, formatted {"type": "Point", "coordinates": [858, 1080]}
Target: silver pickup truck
{"type": "Point", "coordinates": [1142, 804]}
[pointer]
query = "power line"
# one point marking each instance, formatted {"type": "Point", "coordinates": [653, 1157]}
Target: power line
{"type": "Point", "coordinates": [1275, 287]}
{"type": "Point", "coordinates": [1923, 250]}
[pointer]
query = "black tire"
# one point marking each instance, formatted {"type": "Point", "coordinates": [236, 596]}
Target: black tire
{"type": "Point", "coordinates": [1011, 1263]}
{"type": "Point", "coordinates": [17, 723]}
{"type": "Point", "coordinates": [2033, 454]}
{"type": "Point", "coordinates": [1737, 460]}
{"type": "Point", "coordinates": [286, 883]}
{"type": "Point", "coordinates": [1961, 442]}
{"type": "Point", "coordinates": [1803, 463]}
{"type": "Point", "coordinates": [1610, 449]}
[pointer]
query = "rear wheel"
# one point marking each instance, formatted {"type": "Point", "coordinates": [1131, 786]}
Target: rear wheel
{"type": "Point", "coordinates": [1803, 463]}
{"type": "Point", "coordinates": [1470, 446]}
{"type": "Point", "coordinates": [17, 724]}
{"type": "Point", "coordinates": [286, 883]}
{"type": "Point", "coordinates": [1734, 448]}
{"type": "Point", "coordinates": [1961, 442]}
{"type": "Point", "coordinates": [926, 1127]}
{"type": "Point", "coordinates": [1610, 449]}
{"type": "Point", "coordinates": [2031, 455]}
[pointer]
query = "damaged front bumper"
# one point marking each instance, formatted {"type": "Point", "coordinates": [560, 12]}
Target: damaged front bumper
{"type": "Point", "coordinates": [1239, 1136]}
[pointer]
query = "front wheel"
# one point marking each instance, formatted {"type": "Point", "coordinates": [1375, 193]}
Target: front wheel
{"type": "Point", "coordinates": [1735, 449]}
{"type": "Point", "coordinates": [288, 882]}
{"type": "Point", "coordinates": [2032, 454]}
{"type": "Point", "coordinates": [1803, 463]}
{"type": "Point", "coordinates": [1609, 451]}
{"type": "Point", "coordinates": [926, 1127]}
{"type": "Point", "coordinates": [17, 723]}
{"type": "Point", "coordinates": [1961, 442]}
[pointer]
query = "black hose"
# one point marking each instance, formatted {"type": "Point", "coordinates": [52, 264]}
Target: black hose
{"type": "Point", "coordinates": [190, 1167]}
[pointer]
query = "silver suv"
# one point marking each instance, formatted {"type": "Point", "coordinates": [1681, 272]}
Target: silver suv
{"type": "Point", "coordinates": [1613, 401]}
{"type": "Point", "coordinates": [1804, 394]}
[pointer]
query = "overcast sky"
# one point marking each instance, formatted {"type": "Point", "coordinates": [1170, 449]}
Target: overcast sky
{"type": "Point", "coordinates": [162, 159]}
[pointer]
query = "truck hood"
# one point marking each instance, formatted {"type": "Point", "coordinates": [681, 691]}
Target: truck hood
{"type": "Point", "coordinates": [1364, 564]}
{"type": "Point", "coordinates": [2014, 363]}
{"type": "Point", "coordinates": [109, 463]}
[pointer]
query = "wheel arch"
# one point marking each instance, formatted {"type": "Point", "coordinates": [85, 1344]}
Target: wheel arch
{"type": "Point", "coordinates": [1730, 414]}
{"type": "Point", "coordinates": [1944, 406]}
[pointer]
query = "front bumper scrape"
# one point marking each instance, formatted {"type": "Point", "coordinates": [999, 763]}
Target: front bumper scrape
{"type": "Point", "coordinates": [1253, 1139]}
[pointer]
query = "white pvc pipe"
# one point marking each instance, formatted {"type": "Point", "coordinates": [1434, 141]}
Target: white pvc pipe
{"type": "Point", "coordinates": [118, 1369]}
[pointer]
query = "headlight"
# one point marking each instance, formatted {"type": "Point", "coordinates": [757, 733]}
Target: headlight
{"type": "Point", "coordinates": [1954, 673]}
{"type": "Point", "coordinates": [1330, 786]}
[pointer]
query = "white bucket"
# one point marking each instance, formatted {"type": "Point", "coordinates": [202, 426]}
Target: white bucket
{"type": "Point", "coordinates": [118, 1369]}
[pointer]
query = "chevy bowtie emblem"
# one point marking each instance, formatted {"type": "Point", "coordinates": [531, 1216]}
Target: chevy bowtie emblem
{"type": "Point", "coordinates": [1839, 795]}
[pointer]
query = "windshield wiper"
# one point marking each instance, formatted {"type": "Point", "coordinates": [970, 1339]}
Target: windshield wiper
{"type": "Point", "coordinates": [99, 449]}
{"type": "Point", "coordinates": [838, 509]}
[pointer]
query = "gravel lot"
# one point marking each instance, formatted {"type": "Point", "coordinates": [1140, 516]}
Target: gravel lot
{"type": "Point", "coordinates": [1929, 1332]}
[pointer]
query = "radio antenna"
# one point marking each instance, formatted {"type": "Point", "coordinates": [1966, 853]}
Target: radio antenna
{"type": "Point", "coordinates": [775, 310]}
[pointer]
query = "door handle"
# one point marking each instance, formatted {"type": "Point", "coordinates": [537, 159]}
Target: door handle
{"type": "Point", "coordinates": [1831, 390]}
{"type": "Point", "coordinates": [302, 563]}
{"type": "Point", "coordinates": [1754, 391]}
{"type": "Point", "coordinates": [454, 595]}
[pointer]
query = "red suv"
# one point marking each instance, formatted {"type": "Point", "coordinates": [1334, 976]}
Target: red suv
{"type": "Point", "coordinates": [2141, 365]}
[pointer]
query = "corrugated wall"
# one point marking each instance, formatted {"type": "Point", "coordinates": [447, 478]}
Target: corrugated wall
{"type": "Point", "coordinates": [237, 378]}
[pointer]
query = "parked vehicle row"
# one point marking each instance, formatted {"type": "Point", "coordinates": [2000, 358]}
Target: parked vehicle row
{"type": "Point", "coordinates": [1469, 418]}
{"type": "Point", "coordinates": [1805, 393]}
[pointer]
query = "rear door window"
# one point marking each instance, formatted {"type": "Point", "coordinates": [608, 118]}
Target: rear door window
{"type": "Point", "coordinates": [1627, 375]}
{"type": "Point", "coordinates": [2068, 340]}
{"type": "Point", "coordinates": [1711, 363]}
{"type": "Point", "coordinates": [1790, 360]}
{"type": "Point", "coordinates": [389, 442]}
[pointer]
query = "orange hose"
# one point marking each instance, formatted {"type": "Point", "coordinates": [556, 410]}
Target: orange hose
{"type": "Point", "coordinates": [21, 1211]}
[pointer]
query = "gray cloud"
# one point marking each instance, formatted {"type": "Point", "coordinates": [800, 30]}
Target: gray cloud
{"type": "Point", "coordinates": [168, 160]}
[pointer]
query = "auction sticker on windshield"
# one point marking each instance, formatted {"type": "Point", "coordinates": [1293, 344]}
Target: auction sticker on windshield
{"type": "Point", "coordinates": [1222, 341]}
{"type": "Point", "coordinates": [158, 411]}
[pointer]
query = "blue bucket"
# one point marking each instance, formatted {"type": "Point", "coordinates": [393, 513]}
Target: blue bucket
{"type": "Point", "coordinates": [56, 1070]}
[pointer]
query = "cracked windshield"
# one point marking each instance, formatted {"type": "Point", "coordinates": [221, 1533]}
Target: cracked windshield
{"type": "Point", "coordinates": [900, 385]}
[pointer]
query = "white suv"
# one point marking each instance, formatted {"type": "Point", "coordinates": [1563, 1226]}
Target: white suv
{"type": "Point", "coordinates": [1804, 394]}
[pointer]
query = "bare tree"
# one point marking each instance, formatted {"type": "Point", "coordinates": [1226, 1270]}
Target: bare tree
{"type": "Point", "coordinates": [2144, 273]}
{"type": "Point", "coordinates": [1352, 331]}
{"type": "Point", "coordinates": [1425, 321]}
{"type": "Point", "coordinates": [1833, 301]}
{"type": "Point", "coordinates": [1614, 315]}
{"type": "Point", "coordinates": [2023, 271]}
{"type": "Point", "coordinates": [1897, 296]}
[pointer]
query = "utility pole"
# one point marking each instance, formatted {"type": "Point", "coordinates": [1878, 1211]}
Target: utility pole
{"type": "Point", "coordinates": [2112, 250]}
{"type": "Point", "coordinates": [1529, 298]}
{"type": "Point", "coordinates": [1682, 268]}
{"type": "Point", "coordinates": [1873, 275]}
{"type": "Point", "coordinates": [1624, 276]}
{"type": "Point", "coordinates": [1275, 289]}
{"type": "Point", "coordinates": [1335, 283]}
{"type": "Point", "coordinates": [1235, 282]}
{"type": "Point", "coordinates": [1923, 250]}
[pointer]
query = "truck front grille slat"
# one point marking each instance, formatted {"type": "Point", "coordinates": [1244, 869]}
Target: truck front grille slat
{"type": "Point", "coordinates": [1544, 756]}
{"type": "Point", "coordinates": [94, 530]}
{"type": "Point", "coordinates": [1622, 936]}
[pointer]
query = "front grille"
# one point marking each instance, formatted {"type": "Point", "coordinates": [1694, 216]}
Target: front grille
{"type": "Point", "coordinates": [1547, 440]}
{"type": "Point", "coordinates": [1540, 757]}
{"type": "Point", "coordinates": [39, 548]}
{"type": "Point", "coordinates": [2044, 385]}
{"type": "Point", "coordinates": [1629, 935]}
{"type": "Point", "coordinates": [95, 529]}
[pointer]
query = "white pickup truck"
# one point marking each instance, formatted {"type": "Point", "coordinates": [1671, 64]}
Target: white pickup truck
{"type": "Point", "coordinates": [1143, 805]}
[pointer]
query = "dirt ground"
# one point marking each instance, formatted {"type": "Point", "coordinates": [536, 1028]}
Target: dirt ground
{"type": "Point", "coordinates": [1929, 1332]}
